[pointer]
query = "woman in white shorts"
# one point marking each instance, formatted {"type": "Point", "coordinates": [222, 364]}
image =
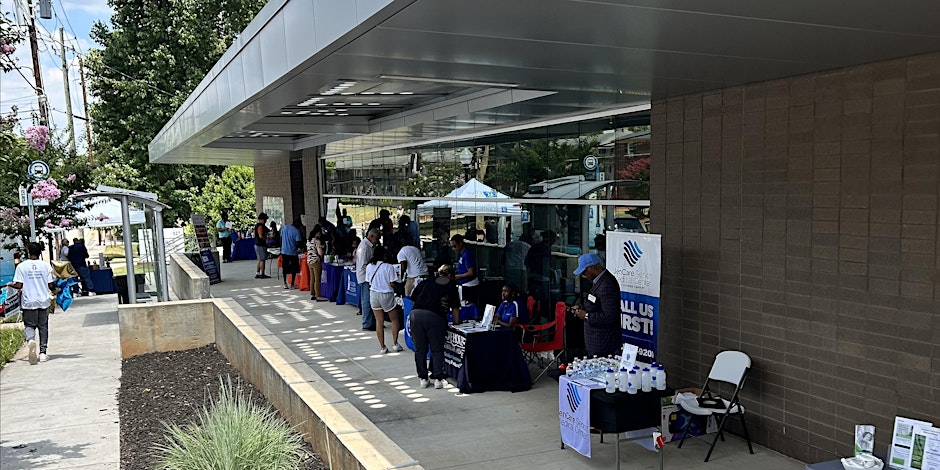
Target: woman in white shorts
{"type": "Point", "coordinates": [382, 276]}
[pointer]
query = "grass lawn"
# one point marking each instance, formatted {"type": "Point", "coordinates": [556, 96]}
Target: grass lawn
{"type": "Point", "coordinates": [10, 340]}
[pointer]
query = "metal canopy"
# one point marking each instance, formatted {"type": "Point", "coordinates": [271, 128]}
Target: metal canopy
{"type": "Point", "coordinates": [364, 74]}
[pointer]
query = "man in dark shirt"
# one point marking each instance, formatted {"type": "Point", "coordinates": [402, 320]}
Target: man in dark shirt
{"type": "Point", "coordinates": [78, 255]}
{"type": "Point", "coordinates": [261, 244]}
{"type": "Point", "coordinates": [601, 308]}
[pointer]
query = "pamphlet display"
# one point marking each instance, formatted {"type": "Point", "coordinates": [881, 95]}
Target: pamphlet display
{"type": "Point", "coordinates": [205, 249]}
{"type": "Point", "coordinates": [864, 439]}
{"type": "Point", "coordinates": [635, 259]}
{"type": "Point", "coordinates": [915, 445]}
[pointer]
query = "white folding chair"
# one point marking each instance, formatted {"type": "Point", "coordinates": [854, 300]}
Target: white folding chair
{"type": "Point", "coordinates": [730, 367]}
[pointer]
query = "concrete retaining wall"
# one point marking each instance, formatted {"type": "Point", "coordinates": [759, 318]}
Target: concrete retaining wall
{"type": "Point", "coordinates": [186, 279]}
{"type": "Point", "coordinates": [341, 434]}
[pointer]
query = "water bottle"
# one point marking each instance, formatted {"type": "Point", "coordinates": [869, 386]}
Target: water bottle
{"type": "Point", "coordinates": [661, 382]}
{"type": "Point", "coordinates": [569, 371]}
{"type": "Point", "coordinates": [622, 378]}
{"type": "Point", "coordinates": [631, 382]}
{"type": "Point", "coordinates": [645, 380]}
{"type": "Point", "coordinates": [654, 385]}
{"type": "Point", "coordinates": [610, 381]}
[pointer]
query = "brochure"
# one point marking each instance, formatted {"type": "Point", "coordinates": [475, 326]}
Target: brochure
{"type": "Point", "coordinates": [864, 439]}
{"type": "Point", "coordinates": [910, 441]}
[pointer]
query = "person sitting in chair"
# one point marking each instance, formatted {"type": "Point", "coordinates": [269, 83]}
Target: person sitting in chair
{"type": "Point", "coordinates": [512, 311]}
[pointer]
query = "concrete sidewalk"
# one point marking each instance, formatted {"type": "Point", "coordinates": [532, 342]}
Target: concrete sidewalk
{"type": "Point", "coordinates": [64, 413]}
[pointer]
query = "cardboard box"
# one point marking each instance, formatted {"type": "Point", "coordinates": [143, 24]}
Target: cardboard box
{"type": "Point", "coordinates": [674, 419]}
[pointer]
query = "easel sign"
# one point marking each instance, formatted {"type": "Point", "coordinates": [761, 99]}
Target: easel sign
{"type": "Point", "coordinates": [628, 356]}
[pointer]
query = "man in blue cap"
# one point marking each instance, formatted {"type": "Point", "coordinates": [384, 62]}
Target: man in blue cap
{"type": "Point", "coordinates": [601, 308]}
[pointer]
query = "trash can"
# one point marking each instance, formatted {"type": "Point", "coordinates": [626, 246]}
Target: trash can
{"type": "Point", "coordinates": [120, 282]}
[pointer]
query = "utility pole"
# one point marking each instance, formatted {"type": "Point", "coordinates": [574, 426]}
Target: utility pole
{"type": "Point", "coordinates": [81, 72]}
{"type": "Point", "coordinates": [68, 94]}
{"type": "Point", "coordinates": [37, 73]}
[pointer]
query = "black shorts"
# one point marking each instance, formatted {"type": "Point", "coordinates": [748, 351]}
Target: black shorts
{"type": "Point", "coordinates": [290, 263]}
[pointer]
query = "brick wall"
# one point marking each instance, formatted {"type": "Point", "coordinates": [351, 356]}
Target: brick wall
{"type": "Point", "coordinates": [799, 222]}
{"type": "Point", "coordinates": [311, 167]}
{"type": "Point", "coordinates": [272, 179]}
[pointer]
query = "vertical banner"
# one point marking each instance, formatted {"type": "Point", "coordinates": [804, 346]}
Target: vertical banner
{"type": "Point", "coordinates": [574, 414]}
{"type": "Point", "coordinates": [635, 259]}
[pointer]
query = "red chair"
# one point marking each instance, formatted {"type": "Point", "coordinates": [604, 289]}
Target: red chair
{"type": "Point", "coordinates": [545, 337]}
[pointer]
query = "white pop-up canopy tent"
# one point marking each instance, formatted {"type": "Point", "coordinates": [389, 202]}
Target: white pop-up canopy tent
{"type": "Point", "coordinates": [106, 212]}
{"type": "Point", "coordinates": [473, 198]}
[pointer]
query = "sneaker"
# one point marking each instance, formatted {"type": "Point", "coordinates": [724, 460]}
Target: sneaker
{"type": "Point", "coordinates": [43, 357]}
{"type": "Point", "coordinates": [313, 297]}
{"type": "Point", "coordinates": [32, 351]}
{"type": "Point", "coordinates": [257, 276]}
{"type": "Point", "coordinates": [398, 348]}
{"type": "Point", "coordinates": [438, 384]}
{"type": "Point", "coordinates": [424, 383]}
{"type": "Point", "coordinates": [384, 350]}
{"type": "Point", "coordinates": [286, 286]}
{"type": "Point", "coordinates": [264, 276]}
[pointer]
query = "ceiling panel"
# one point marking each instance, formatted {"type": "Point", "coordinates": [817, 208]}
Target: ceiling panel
{"type": "Point", "coordinates": [588, 54]}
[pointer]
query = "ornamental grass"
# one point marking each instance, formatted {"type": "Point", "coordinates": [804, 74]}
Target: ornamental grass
{"type": "Point", "coordinates": [233, 433]}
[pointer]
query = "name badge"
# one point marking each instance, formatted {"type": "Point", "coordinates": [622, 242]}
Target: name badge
{"type": "Point", "coordinates": [592, 298]}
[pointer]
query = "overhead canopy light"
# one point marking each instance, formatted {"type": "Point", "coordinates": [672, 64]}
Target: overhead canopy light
{"type": "Point", "coordinates": [451, 81]}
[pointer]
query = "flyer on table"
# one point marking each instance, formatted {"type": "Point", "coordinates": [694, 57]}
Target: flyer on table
{"type": "Point", "coordinates": [915, 445]}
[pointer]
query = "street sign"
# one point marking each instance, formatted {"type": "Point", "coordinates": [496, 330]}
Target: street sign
{"type": "Point", "coordinates": [24, 199]}
{"type": "Point", "coordinates": [38, 168]}
{"type": "Point", "coordinates": [590, 162]}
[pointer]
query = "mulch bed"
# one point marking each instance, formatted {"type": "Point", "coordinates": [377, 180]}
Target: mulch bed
{"type": "Point", "coordinates": [172, 387]}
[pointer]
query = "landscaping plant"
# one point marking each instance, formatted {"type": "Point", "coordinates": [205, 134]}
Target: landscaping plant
{"type": "Point", "coordinates": [10, 340]}
{"type": "Point", "coordinates": [233, 433]}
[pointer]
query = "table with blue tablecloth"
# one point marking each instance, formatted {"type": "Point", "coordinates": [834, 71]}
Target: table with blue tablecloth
{"type": "Point", "coordinates": [103, 281]}
{"type": "Point", "coordinates": [330, 281]}
{"type": "Point", "coordinates": [348, 288]}
{"type": "Point", "coordinates": [243, 249]}
{"type": "Point", "coordinates": [486, 361]}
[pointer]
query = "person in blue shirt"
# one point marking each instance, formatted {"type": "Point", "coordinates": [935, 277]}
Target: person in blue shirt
{"type": "Point", "coordinates": [512, 311]}
{"type": "Point", "coordinates": [466, 269]}
{"type": "Point", "coordinates": [290, 261]}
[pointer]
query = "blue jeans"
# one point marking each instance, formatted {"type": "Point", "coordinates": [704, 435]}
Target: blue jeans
{"type": "Point", "coordinates": [368, 318]}
{"type": "Point", "coordinates": [85, 274]}
{"type": "Point", "coordinates": [37, 318]}
{"type": "Point", "coordinates": [428, 330]}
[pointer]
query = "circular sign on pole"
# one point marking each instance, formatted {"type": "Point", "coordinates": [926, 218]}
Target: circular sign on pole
{"type": "Point", "coordinates": [38, 168]}
{"type": "Point", "coordinates": [590, 162]}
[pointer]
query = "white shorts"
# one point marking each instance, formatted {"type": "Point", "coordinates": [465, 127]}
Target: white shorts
{"type": "Point", "coordinates": [384, 301]}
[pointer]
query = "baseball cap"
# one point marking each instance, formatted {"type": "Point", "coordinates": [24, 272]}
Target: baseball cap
{"type": "Point", "coordinates": [586, 261]}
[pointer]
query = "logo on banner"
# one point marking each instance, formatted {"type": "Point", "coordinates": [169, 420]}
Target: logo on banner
{"type": "Point", "coordinates": [574, 398]}
{"type": "Point", "coordinates": [632, 252]}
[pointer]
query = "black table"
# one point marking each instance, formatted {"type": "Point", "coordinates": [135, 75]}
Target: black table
{"type": "Point", "coordinates": [103, 280]}
{"type": "Point", "coordinates": [621, 412]}
{"type": "Point", "coordinates": [486, 361]}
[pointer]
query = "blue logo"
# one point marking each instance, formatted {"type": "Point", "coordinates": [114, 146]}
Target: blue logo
{"type": "Point", "coordinates": [632, 252]}
{"type": "Point", "coordinates": [574, 398]}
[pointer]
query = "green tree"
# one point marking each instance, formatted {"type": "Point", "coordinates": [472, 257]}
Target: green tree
{"type": "Point", "coordinates": [434, 180]}
{"type": "Point", "coordinates": [155, 52]}
{"type": "Point", "coordinates": [233, 190]}
{"type": "Point", "coordinates": [513, 167]}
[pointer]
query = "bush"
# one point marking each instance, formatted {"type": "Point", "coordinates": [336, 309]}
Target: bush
{"type": "Point", "coordinates": [234, 433]}
{"type": "Point", "coordinates": [10, 340]}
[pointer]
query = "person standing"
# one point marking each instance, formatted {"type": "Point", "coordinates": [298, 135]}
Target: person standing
{"type": "Point", "coordinates": [413, 267]}
{"type": "Point", "coordinates": [64, 250]}
{"type": "Point", "coordinates": [315, 254]}
{"type": "Point", "coordinates": [466, 269]}
{"type": "Point", "coordinates": [516, 252]}
{"type": "Point", "coordinates": [384, 223]}
{"type": "Point", "coordinates": [601, 308]}
{"type": "Point", "coordinates": [363, 255]}
{"type": "Point", "coordinates": [224, 228]}
{"type": "Point", "coordinates": [428, 321]}
{"type": "Point", "coordinates": [382, 279]}
{"type": "Point", "coordinates": [290, 261]}
{"type": "Point", "coordinates": [35, 279]}
{"type": "Point", "coordinates": [78, 256]}
{"type": "Point", "coordinates": [261, 245]}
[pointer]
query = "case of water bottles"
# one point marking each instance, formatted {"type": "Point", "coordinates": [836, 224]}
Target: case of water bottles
{"type": "Point", "coordinates": [642, 378]}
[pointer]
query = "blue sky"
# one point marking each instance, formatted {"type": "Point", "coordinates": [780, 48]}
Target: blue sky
{"type": "Point", "coordinates": [77, 17]}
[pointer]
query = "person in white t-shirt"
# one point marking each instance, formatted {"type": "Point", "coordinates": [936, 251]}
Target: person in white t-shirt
{"type": "Point", "coordinates": [381, 275]}
{"type": "Point", "coordinates": [35, 279]}
{"type": "Point", "coordinates": [412, 264]}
